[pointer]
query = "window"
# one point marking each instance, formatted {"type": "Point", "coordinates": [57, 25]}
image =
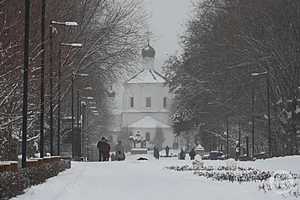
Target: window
{"type": "Point", "coordinates": [148, 102]}
{"type": "Point", "coordinates": [165, 102]}
{"type": "Point", "coordinates": [131, 102]}
{"type": "Point", "coordinates": [148, 137]}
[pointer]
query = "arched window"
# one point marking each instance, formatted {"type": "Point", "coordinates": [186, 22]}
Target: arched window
{"type": "Point", "coordinates": [148, 102]}
{"type": "Point", "coordinates": [165, 102]}
{"type": "Point", "coordinates": [131, 102]}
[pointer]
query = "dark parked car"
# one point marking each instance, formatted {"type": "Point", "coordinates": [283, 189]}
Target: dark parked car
{"type": "Point", "coordinates": [214, 155]}
{"type": "Point", "coordinates": [261, 155]}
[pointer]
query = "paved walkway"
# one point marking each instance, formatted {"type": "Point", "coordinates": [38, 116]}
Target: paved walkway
{"type": "Point", "coordinates": [137, 180]}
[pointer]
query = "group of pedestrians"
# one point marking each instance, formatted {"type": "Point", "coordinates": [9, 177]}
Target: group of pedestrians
{"type": "Point", "coordinates": [104, 151]}
{"type": "Point", "coordinates": [182, 154]}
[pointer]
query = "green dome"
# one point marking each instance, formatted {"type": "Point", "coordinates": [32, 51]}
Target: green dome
{"type": "Point", "coordinates": [148, 51]}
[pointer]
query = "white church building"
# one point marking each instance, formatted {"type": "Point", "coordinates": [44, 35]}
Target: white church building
{"type": "Point", "coordinates": [142, 105]}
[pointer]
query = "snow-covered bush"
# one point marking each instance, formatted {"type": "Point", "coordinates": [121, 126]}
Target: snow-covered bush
{"type": "Point", "coordinates": [13, 183]}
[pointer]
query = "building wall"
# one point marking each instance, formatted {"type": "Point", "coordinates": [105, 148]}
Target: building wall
{"type": "Point", "coordinates": [140, 91]}
{"type": "Point", "coordinates": [157, 91]}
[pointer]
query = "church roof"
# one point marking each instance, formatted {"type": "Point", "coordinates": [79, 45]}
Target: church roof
{"type": "Point", "coordinates": [147, 76]}
{"type": "Point", "coordinates": [148, 122]}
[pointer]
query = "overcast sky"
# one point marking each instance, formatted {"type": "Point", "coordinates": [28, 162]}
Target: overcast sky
{"type": "Point", "coordinates": [167, 19]}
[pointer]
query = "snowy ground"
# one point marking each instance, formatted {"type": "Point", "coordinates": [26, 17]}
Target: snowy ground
{"type": "Point", "coordinates": [149, 180]}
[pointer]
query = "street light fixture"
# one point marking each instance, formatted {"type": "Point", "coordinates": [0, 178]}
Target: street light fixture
{"type": "Point", "coordinates": [52, 31]}
{"type": "Point", "coordinates": [71, 44]}
{"type": "Point", "coordinates": [258, 73]}
{"type": "Point", "coordinates": [64, 23]}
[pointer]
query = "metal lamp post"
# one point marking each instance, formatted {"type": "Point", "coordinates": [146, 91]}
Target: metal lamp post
{"type": "Point", "coordinates": [74, 45]}
{"type": "Point", "coordinates": [25, 81]}
{"type": "Point", "coordinates": [83, 114]}
{"type": "Point", "coordinates": [267, 73]}
{"type": "Point", "coordinates": [252, 116]}
{"type": "Point", "coordinates": [52, 30]}
{"type": "Point", "coordinates": [74, 75]}
{"type": "Point", "coordinates": [42, 89]}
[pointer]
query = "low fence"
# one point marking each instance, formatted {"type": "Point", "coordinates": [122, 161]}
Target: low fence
{"type": "Point", "coordinates": [14, 180]}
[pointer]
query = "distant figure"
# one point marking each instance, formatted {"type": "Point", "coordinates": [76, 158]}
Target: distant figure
{"type": "Point", "coordinates": [106, 150]}
{"type": "Point", "coordinates": [100, 147]}
{"type": "Point", "coordinates": [112, 157]}
{"type": "Point", "coordinates": [167, 151]}
{"type": "Point", "coordinates": [120, 154]}
{"type": "Point", "coordinates": [182, 155]}
{"type": "Point", "coordinates": [192, 154]}
{"type": "Point", "coordinates": [156, 152]}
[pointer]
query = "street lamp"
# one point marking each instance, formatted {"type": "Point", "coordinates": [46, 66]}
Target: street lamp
{"type": "Point", "coordinates": [25, 81]}
{"type": "Point", "coordinates": [74, 45]}
{"type": "Point", "coordinates": [42, 87]}
{"type": "Point", "coordinates": [52, 31]}
{"type": "Point", "coordinates": [74, 75]}
{"type": "Point", "coordinates": [267, 73]}
{"type": "Point", "coordinates": [64, 23]}
{"type": "Point", "coordinates": [252, 113]}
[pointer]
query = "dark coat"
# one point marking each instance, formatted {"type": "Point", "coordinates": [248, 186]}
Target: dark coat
{"type": "Point", "coordinates": [192, 154]}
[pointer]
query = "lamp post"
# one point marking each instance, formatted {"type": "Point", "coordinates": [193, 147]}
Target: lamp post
{"type": "Point", "coordinates": [25, 81]}
{"type": "Point", "coordinates": [252, 116]}
{"type": "Point", "coordinates": [267, 73]}
{"type": "Point", "coordinates": [74, 75]}
{"type": "Point", "coordinates": [52, 30]}
{"type": "Point", "coordinates": [227, 137]}
{"type": "Point", "coordinates": [74, 45]}
{"type": "Point", "coordinates": [42, 89]}
{"type": "Point", "coordinates": [84, 115]}
{"type": "Point", "coordinates": [239, 140]}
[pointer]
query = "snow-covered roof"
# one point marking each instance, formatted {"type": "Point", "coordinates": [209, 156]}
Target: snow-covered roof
{"type": "Point", "coordinates": [148, 122]}
{"type": "Point", "coordinates": [147, 76]}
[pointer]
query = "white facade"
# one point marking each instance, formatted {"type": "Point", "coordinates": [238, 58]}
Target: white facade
{"type": "Point", "coordinates": [145, 104]}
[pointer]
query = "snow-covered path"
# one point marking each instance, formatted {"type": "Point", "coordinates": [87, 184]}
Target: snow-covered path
{"type": "Point", "coordinates": [141, 180]}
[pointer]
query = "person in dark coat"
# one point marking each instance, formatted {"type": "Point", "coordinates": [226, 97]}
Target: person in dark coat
{"type": "Point", "coordinates": [101, 147]}
{"type": "Point", "coordinates": [120, 151]}
{"type": "Point", "coordinates": [106, 150]}
{"type": "Point", "coordinates": [156, 152]}
{"type": "Point", "coordinates": [167, 151]}
{"type": "Point", "coordinates": [182, 155]}
{"type": "Point", "coordinates": [192, 154]}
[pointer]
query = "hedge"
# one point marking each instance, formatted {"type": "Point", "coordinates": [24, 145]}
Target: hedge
{"type": "Point", "coordinates": [13, 181]}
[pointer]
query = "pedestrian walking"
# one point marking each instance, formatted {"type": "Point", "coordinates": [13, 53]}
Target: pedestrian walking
{"type": "Point", "coordinates": [192, 154]}
{"type": "Point", "coordinates": [120, 152]}
{"type": "Point", "coordinates": [106, 150]}
{"type": "Point", "coordinates": [156, 152]}
{"type": "Point", "coordinates": [182, 155]}
{"type": "Point", "coordinates": [100, 146]}
{"type": "Point", "coordinates": [167, 151]}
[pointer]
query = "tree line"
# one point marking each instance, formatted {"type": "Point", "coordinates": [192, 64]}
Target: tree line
{"type": "Point", "coordinates": [111, 33]}
{"type": "Point", "coordinates": [232, 51]}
